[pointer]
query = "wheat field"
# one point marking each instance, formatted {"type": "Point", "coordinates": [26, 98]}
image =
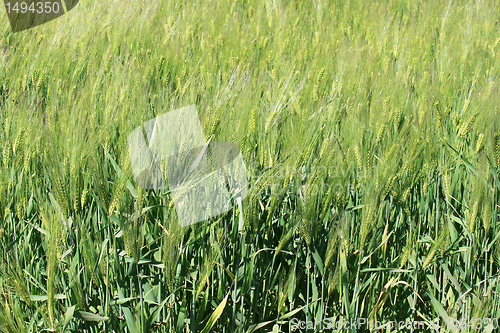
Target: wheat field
{"type": "Point", "coordinates": [369, 130]}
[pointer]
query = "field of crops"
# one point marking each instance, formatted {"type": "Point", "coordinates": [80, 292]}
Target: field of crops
{"type": "Point", "coordinates": [370, 132]}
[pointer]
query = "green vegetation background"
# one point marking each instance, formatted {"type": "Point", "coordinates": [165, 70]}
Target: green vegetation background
{"type": "Point", "coordinates": [371, 135]}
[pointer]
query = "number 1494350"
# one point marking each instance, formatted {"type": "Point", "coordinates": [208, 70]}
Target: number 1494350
{"type": "Point", "coordinates": [38, 7]}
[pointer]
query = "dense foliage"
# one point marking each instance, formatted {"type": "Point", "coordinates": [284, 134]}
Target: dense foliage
{"type": "Point", "coordinates": [371, 135]}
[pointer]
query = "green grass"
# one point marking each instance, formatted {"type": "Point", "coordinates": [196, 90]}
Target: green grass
{"type": "Point", "coordinates": [370, 132]}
